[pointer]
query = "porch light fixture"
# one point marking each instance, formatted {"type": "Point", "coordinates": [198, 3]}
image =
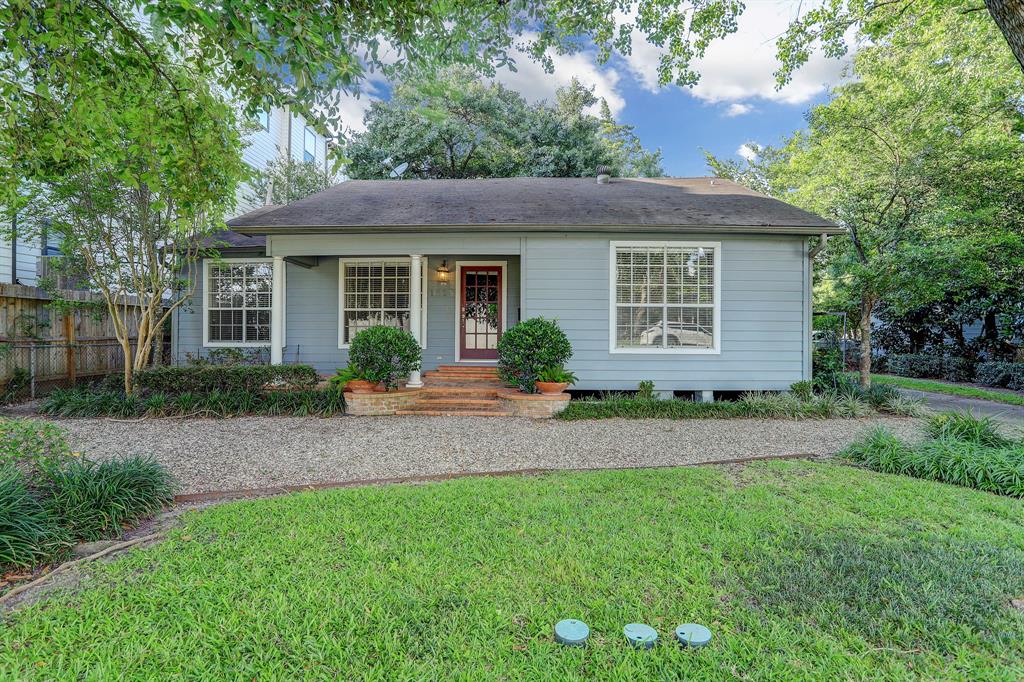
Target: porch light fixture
{"type": "Point", "coordinates": [442, 272]}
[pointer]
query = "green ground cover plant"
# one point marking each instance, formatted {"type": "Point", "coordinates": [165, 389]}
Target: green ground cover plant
{"type": "Point", "coordinates": [948, 389]}
{"type": "Point", "coordinates": [205, 378]}
{"type": "Point", "coordinates": [961, 449]}
{"type": "Point", "coordinates": [802, 570]}
{"type": "Point", "coordinates": [51, 497]}
{"type": "Point", "coordinates": [85, 402]}
{"type": "Point", "coordinates": [800, 403]}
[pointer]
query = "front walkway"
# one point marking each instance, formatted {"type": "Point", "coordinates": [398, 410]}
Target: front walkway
{"type": "Point", "coordinates": [257, 452]}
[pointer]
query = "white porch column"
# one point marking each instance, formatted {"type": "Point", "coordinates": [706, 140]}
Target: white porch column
{"type": "Point", "coordinates": [416, 309]}
{"type": "Point", "coordinates": [277, 313]}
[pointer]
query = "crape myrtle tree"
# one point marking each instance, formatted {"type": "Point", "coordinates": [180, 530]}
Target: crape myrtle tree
{"type": "Point", "coordinates": [453, 124]}
{"type": "Point", "coordinates": [920, 157]}
{"type": "Point", "coordinates": [142, 204]}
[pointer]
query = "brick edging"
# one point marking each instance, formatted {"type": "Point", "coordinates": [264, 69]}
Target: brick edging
{"type": "Point", "coordinates": [247, 493]}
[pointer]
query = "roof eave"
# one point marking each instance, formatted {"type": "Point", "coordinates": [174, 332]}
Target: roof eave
{"type": "Point", "coordinates": [811, 230]}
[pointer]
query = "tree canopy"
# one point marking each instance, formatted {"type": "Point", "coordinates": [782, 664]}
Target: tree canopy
{"type": "Point", "coordinates": [920, 157]}
{"type": "Point", "coordinates": [455, 125]}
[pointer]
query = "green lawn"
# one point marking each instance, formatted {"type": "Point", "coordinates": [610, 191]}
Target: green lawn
{"type": "Point", "coordinates": [949, 388]}
{"type": "Point", "coordinates": [802, 570]}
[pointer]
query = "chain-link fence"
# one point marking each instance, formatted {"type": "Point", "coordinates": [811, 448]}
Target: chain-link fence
{"type": "Point", "coordinates": [32, 369]}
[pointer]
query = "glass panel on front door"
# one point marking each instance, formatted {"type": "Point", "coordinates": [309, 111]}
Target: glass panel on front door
{"type": "Point", "coordinates": [480, 313]}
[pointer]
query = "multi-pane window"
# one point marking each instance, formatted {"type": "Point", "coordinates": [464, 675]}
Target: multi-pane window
{"type": "Point", "coordinates": [375, 292]}
{"type": "Point", "coordinates": [308, 145]}
{"type": "Point", "coordinates": [664, 296]}
{"type": "Point", "coordinates": [238, 302]}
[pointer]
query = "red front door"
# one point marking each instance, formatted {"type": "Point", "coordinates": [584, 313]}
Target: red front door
{"type": "Point", "coordinates": [480, 312]}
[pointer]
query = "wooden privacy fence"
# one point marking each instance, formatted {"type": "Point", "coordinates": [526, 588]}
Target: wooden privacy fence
{"type": "Point", "coordinates": [43, 346]}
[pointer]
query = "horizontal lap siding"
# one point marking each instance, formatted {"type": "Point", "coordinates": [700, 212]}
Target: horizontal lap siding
{"type": "Point", "coordinates": [763, 316]}
{"type": "Point", "coordinates": [312, 314]}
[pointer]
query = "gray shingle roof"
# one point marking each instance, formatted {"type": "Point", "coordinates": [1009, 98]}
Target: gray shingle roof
{"type": "Point", "coordinates": [525, 204]}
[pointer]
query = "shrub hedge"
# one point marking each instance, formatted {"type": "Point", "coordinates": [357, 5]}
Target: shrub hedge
{"type": "Point", "coordinates": [1002, 375]}
{"type": "Point", "coordinates": [210, 378]}
{"type": "Point", "coordinates": [925, 366]}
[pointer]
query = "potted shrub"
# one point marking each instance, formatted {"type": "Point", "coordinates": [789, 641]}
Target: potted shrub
{"type": "Point", "coordinates": [384, 355]}
{"type": "Point", "coordinates": [525, 349]}
{"type": "Point", "coordinates": [553, 380]}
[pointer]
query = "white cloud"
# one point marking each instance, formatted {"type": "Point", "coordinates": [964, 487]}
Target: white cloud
{"type": "Point", "coordinates": [746, 151]}
{"type": "Point", "coordinates": [742, 66]}
{"type": "Point", "coordinates": [532, 82]}
{"type": "Point", "coordinates": [738, 109]}
{"type": "Point", "coordinates": [353, 108]}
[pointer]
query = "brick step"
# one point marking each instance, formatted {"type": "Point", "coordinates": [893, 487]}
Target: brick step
{"type": "Point", "coordinates": [432, 402]}
{"type": "Point", "coordinates": [453, 412]}
{"type": "Point", "coordinates": [468, 378]}
{"type": "Point", "coordinates": [467, 373]}
{"type": "Point", "coordinates": [468, 368]}
{"type": "Point", "coordinates": [462, 391]}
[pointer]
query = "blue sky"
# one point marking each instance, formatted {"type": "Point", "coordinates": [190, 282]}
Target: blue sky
{"type": "Point", "coordinates": [734, 103]}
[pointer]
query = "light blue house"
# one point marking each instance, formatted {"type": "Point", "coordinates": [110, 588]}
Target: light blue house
{"type": "Point", "coordinates": [698, 284]}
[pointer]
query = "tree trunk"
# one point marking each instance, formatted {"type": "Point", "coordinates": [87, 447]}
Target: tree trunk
{"type": "Point", "coordinates": [1009, 17]}
{"type": "Point", "coordinates": [867, 307]}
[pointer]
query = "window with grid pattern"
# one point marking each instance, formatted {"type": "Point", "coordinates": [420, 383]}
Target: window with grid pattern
{"type": "Point", "coordinates": [664, 297]}
{"type": "Point", "coordinates": [375, 293]}
{"type": "Point", "coordinates": [238, 301]}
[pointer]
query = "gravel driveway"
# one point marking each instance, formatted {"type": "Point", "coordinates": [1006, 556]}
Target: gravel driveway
{"type": "Point", "coordinates": [254, 452]}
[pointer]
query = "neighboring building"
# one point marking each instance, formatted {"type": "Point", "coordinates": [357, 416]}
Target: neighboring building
{"type": "Point", "coordinates": [279, 133]}
{"type": "Point", "coordinates": [697, 284]}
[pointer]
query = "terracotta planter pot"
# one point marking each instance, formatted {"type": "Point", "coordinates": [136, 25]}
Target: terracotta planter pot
{"type": "Point", "coordinates": [380, 388]}
{"type": "Point", "coordinates": [360, 386]}
{"type": "Point", "coordinates": [550, 387]}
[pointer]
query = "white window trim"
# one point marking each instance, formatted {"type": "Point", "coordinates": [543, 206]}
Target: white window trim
{"type": "Point", "coordinates": [206, 303]}
{"type": "Point", "coordinates": [716, 334]}
{"type": "Point", "coordinates": [308, 132]}
{"type": "Point", "coordinates": [459, 264]}
{"type": "Point", "coordinates": [377, 259]}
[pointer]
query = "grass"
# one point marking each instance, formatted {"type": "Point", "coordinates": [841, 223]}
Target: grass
{"type": "Point", "coordinates": [948, 388]}
{"type": "Point", "coordinates": [802, 570]}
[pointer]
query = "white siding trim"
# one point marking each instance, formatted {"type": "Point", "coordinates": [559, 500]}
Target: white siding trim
{"type": "Point", "coordinates": [716, 338]}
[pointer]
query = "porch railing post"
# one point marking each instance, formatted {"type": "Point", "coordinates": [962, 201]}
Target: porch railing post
{"type": "Point", "coordinates": [416, 310]}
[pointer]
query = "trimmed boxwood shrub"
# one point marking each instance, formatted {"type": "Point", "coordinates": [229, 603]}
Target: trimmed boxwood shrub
{"type": "Point", "coordinates": [527, 348]}
{"type": "Point", "coordinates": [385, 355]}
{"type": "Point", "coordinates": [1002, 375]}
{"type": "Point", "coordinates": [209, 378]}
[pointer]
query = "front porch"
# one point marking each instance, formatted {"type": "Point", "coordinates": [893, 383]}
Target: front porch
{"type": "Point", "coordinates": [456, 306]}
